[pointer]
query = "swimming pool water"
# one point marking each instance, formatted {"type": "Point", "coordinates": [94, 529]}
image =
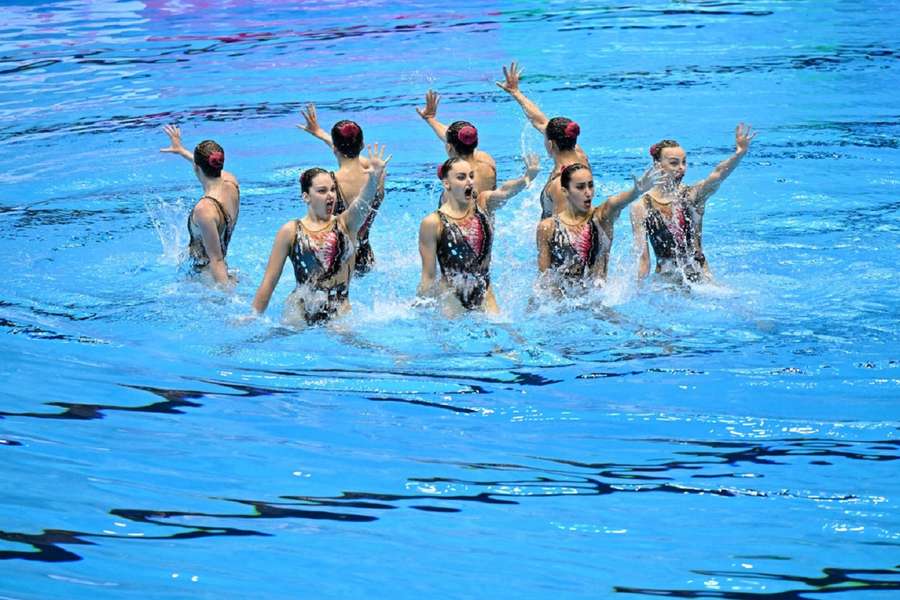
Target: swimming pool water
{"type": "Point", "coordinates": [737, 440]}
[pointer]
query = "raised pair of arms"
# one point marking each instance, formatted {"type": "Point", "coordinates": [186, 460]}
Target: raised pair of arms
{"type": "Point", "coordinates": [490, 201]}
{"type": "Point", "coordinates": [607, 212]}
{"type": "Point", "coordinates": [698, 194]}
{"type": "Point", "coordinates": [352, 219]}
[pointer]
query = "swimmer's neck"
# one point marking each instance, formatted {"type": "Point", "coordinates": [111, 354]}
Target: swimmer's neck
{"type": "Point", "coordinates": [667, 191]}
{"type": "Point", "coordinates": [457, 209]}
{"type": "Point", "coordinates": [347, 162]}
{"type": "Point", "coordinates": [571, 216]}
{"type": "Point", "coordinates": [470, 157]}
{"type": "Point", "coordinates": [314, 223]}
{"type": "Point", "coordinates": [212, 187]}
{"type": "Point", "coordinates": [563, 158]}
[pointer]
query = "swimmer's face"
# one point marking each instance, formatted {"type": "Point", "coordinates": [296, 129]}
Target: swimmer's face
{"type": "Point", "coordinates": [580, 192]}
{"type": "Point", "coordinates": [673, 162]}
{"type": "Point", "coordinates": [460, 181]}
{"type": "Point", "coordinates": [321, 196]}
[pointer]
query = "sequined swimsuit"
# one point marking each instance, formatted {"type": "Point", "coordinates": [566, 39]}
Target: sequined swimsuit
{"type": "Point", "coordinates": [464, 256]}
{"type": "Point", "coordinates": [323, 284]}
{"type": "Point", "coordinates": [196, 250]}
{"type": "Point", "coordinates": [574, 254]}
{"type": "Point", "coordinates": [673, 239]}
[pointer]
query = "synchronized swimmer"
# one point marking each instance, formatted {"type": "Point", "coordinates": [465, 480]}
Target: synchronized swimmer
{"type": "Point", "coordinates": [331, 242]}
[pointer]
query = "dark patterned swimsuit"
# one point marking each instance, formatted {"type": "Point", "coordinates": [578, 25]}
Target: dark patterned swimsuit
{"type": "Point", "coordinates": [546, 199]}
{"type": "Point", "coordinates": [673, 239]}
{"type": "Point", "coordinates": [316, 265]}
{"type": "Point", "coordinates": [196, 250]}
{"type": "Point", "coordinates": [573, 255]}
{"type": "Point", "coordinates": [365, 258]}
{"type": "Point", "coordinates": [464, 255]}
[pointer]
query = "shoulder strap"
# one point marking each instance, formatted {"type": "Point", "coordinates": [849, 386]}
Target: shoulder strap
{"type": "Point", "coordinates": [218, 206]}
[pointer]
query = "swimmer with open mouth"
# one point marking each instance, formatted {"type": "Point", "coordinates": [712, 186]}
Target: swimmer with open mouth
{"type": "Point", "coordinates": [458, 237]}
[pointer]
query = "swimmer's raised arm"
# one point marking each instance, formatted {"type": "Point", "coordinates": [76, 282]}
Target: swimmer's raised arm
{"type": "Point", "coordinates": [283, 240]}
{"type": "Point", "coordinates": [495, 199]}
{"type": "Point", "coordinates": [175, 145]}
{"type": "Point", "coordinates": [643, 184]}
{"type": "Point", "coordinates": [362, 205]}
{"type": "Point", "coordinates": [640, 246]}
{"type": "Point", "coordinates": [429, 231]}
{"type": "Point", "coordinates": [743, 135]}
{"type": "Point", "coordinates": [429, 114]}
{"type": "Point", "coordinates": [312, 126]}
{"type": "Point", "coordinates": [510, 84]}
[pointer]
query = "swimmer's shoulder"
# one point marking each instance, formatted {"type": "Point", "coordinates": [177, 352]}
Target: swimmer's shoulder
{"type": "Point", "coordinates": [545, 227]}
{"type": "Point", "coordinates": [639, 208]}
{"type": "Point", "coordinates": [228, 177]}
{"type": "Point", "coordinates": [288, 231]}
{"type": "Point", "coordinates": [485, 159]}
{"type": "Point", "coordinates": [432, 219]}
{"type": "Point", "coordinates": [582, 155]}
{"type": "Point", "coordinates": [430, 227]}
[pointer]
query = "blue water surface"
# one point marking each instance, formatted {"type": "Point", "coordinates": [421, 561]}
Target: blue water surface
{"type": "Point", "coordinates": [732, 440]}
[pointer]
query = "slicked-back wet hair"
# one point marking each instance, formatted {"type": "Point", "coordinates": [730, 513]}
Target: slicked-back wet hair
{"type": "Point", "coordinates": [657, 148]}
{"type": "Point", "coordinates": [308, 175]}
{"type": "Point", "coordinates": [347, 137]}
{"type": "Point", "coordinates": [559, 131]}
{"type": "Point", "coordinates": [444, 169]}
{"type": "Point", "coordinates": [210, 157]}
{"type": "Point", "coordinates": [458, 145]}
{"type": "Point", "coordinates": [565, 176]}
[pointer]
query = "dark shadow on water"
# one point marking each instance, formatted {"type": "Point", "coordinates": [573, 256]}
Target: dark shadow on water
{"type": "Point", "coordinates": [834, 581]}
{"type": "Point", "coordinates": [582, 480]}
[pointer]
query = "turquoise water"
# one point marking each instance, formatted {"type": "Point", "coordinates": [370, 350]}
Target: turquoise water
{"type": "Point", "coordinates": [735, 441]}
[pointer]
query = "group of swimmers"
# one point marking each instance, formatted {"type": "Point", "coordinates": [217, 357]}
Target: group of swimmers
{"type": "Point", "coordinates": [331, 242]}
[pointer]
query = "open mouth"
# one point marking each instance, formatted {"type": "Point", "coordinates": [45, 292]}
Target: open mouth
{"type": "Point", "coordinates": [470, 191]}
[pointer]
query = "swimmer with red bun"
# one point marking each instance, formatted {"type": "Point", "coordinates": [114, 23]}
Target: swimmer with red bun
{"type": "Point", "coordinates": [461, 141]}
{"type": "Point", "coordinates": [457, 238]}
{"type": "Point", "coordinates": [212, 220]}
{"type": "Point", "coordinates": [670, 215]}
{"type": "Point", "coordinates": [573, 245]}
{"type": "Point", "coordinates": [321, 245]}
{"type": "Point", "coordinates": [560, 140]}
{"type": "Point", "coordinates": [346, 141]}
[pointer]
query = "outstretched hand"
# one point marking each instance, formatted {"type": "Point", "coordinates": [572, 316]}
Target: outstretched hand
{"type": "Point", "coordinates": [650, 178]}
{"type": "Point", "coordinates": [377, 161]}
{"type": "Point", "coordinates": [174, 134]}
{"type": "Point", "coordinates": [511, 75]}
{"type": "Point", "coordinates": [743, 135]}
{"type": "Point", "coordinates": [532, 165]}
{"type": "Point", "coordinates": [431, 103]}
{"type": "Point", "coordinates": [312, 121]}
